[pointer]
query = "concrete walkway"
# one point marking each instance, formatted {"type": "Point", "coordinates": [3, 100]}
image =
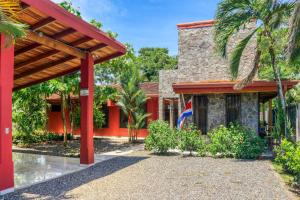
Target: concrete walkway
{"type": "Point", "coordinates": [33, 168]}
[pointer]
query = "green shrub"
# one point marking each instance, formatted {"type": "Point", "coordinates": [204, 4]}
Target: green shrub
{"type": "Point", "coordinates": [39, 137]}
{"type": "Point", "coordinates": [161, 137]}
{"type": "Point", "coordinates": [189, 140]}
{"type": "Point", "coordinates": [221, 142]}
{"type": "Point", "coordinates": [235, 141]}
{"type": "Point", "coordinates": [288, 156]}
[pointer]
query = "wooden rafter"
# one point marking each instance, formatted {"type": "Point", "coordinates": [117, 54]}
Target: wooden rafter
{"type": "Point", "coordinates": [42, 23]}
{"type": "Point", "coordinates": [50, 53]}
{"type": "Point", "coordinates": [43, 67]}
{"type": "Point", "coordinates": [55, 44]}
{"type": "Point", "coordinates": [36, 45]}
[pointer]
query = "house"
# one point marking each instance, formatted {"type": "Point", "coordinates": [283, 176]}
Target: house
{"type": "Point", "coordinates": [115, 120]}
{"type": "Point", "coordinates": [204, 77]}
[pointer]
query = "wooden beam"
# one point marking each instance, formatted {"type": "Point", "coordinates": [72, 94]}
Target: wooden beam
{"type": "Point", "coordinates": [100, 60]}
{"type": "Point", "coordinates": [55, 44]}
{"type": "Point", "coordinates": [49, 53]}
{"type": "Point", "coordinates": [97, 47]}
{"type": "Point", "coordinates": [63, 73]}
{"type": "Point", "coordinates": [36, 45]}
{"type": "Point", "coordinates": [43, 67]}
{"type": "Point", "coordinates": [63, 33]}
{"type": "Point", "coordinates": [42, 23]}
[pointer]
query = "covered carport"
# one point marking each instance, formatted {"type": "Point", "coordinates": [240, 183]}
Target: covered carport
{"type": "Point", "coordinates": [58, 43]}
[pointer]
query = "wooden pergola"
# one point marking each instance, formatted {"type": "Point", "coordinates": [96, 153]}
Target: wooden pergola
{"type": "Point", "coordinates": [58, 43]}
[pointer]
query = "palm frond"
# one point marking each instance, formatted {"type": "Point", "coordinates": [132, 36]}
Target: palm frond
{"type": "Point", "coordinates": [294, 34]}
{"type": "Point", "coordinates": [248, 79]}
{"type": "Point", "coordinates": [231, 15]}
{"type": "Point", "coordinates": [237, 54]}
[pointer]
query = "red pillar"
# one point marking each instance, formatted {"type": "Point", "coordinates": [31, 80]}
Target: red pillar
{"type": "Point", "coordinates": [6, 86]}
{"type": "Point", "coordinates": [86, 103]}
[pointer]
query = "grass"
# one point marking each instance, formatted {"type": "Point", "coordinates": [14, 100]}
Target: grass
{"type": "Point", "coordinates": [287, 178]}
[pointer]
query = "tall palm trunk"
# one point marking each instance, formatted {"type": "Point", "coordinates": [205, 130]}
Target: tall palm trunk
{"type": "Point", "coordinates": [279, 88]}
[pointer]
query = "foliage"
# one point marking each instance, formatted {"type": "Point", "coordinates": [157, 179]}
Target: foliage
{"type": "Point", "coordinates": [161, 137]}
{"type": "Point", "coordinates": [221, 142]}
{"type": "Point", "coordinates": [131, 100]}
{"type": "Point", "coordinates": [67, 5]}
{"type": "Point", "coordinates": [235, 141]}
{"type": "Point", "coordinates": [152, 60]}
{"type": "Point", "coordinates": [189, 140]}
{"type": "Point", "coordinates": [30, 110]}
{"type": "Point", "coordinates": [39, 137]}
{"type": "Point", "coordinates": [288, 156]}
{"type": "Point", "coordinates": [8, 23]}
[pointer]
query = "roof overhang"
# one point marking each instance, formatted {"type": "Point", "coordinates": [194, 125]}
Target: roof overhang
{"type": "Point", "coordinates": [215, 87]}
{"type": "Point", "coordinates": [56, 43]}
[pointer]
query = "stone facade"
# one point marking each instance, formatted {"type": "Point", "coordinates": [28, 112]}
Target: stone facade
{"type": "Point", "coordinates": [199, 61]}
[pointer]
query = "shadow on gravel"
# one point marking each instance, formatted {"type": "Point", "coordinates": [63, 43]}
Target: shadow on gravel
{"type": "Point", "coordinates": [56, 188]}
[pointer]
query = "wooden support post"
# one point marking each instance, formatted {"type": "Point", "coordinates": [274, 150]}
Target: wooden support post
{"type": "Point", "coordinates": [171, 107]}
{"type": "Point", "coordinates": [270, 116]}
{"type": "Point", "coordinates": [298, 122]}
{"type": "Point", "coordinates": [86, 105]}
{"type": "Point", "coordinates": [6, 87]}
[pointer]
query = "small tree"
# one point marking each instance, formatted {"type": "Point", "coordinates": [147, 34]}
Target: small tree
{"type": "Point", "coordinates": [131, 100]}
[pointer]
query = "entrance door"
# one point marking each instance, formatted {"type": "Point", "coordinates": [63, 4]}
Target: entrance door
{"type": "Point", "coordinates": [200, 104]}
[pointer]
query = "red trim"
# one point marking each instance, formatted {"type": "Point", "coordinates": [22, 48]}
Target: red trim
{"type": "Point", "coordinates": [200, 24]}
{"type": "Point", "coordinates": [51, 9]}
{"type": "Point", "coordinates": [227, 87]}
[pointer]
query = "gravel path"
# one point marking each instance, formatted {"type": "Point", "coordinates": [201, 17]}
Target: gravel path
{"type": "Point", "coordinates": [144, 176]}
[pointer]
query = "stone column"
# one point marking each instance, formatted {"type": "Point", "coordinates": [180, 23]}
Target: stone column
{"type": "Point", "coordinates": [161, 108]}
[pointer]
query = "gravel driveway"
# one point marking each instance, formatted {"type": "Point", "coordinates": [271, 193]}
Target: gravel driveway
{"type": "Point", "coordinates": [144, 176]}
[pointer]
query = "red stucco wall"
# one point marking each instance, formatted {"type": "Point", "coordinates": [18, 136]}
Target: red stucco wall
{"type": "Point", "coordinates": [55, 122]}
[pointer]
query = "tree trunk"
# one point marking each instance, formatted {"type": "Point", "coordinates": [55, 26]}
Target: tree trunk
{"type": "Point", "coordinates": [129, 127]}
{"type": "Point", "coordinates": [279, 88]}
{"type": "Point", "coordinates": [63, 116]}
{"type": "Point", "coordinates": [71, 114]}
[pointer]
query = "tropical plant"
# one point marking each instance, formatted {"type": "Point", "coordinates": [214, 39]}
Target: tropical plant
{"type": "Point", "coordinates": [161, 137]}
{"type": "Point", "coordinates": [9, 25]}
{"type": "Point", "coordinates": [131, 100]}
{"type": "Point", "coordinates": [233, 15]}
{"type": "Point", "coordinates": [293, 47]}
{"type": "Point", "coordinates": [235, 141]}
{"type": "Point", "coordinates": [190, 140]}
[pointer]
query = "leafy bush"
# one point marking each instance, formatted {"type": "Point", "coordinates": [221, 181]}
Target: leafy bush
{"type": "Point", "coordinates": [189, 140]}
{"type": "Point", "coordinates": [235, 141]}
{"type": "Point", "coordinates": [221, 142]}
{"type": "Point", "coordinates": [25, 139]}
{"type": "Point", "coordinates": [161, 137]}
{"type": "Point", "coordinates": [288, 156]}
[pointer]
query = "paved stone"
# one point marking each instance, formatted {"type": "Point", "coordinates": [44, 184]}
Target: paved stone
{"type": "Point", "coordinates": [141, 175]}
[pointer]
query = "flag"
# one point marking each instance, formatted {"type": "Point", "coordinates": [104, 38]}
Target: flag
{"type": "Point", "coordinates": [188, 111]}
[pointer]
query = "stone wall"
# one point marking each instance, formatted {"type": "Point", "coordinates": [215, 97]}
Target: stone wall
{"type": "Point", "coordinates": [250, 110]}
{"type": "Point", "coordinates": [216, 111]}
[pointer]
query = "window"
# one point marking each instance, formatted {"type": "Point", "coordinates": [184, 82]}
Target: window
{"type": "Point", "coordinates": [55, 108]}
{"type": "Point", "coordinates": [233, 108]}
{"type": "Point", "coordinates": [105, 111]}
{"type": "Point", "coordinates": [200, 113]}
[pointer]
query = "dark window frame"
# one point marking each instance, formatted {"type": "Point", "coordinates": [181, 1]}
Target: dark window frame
{"type": "Point", "coordinates": [196, 113]}
{"type": "Point", "coordinates": [55, 108]}
{"type": "Point", "coordinates": [233, 107]}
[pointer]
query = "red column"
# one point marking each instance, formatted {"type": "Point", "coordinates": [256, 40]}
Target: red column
{"type": "Point", "coordinates": [6, 86]}
{"type": "Point", "coordinates": [86, 105]}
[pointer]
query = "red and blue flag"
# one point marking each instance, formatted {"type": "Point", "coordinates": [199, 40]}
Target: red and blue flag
{"type": "Point", "coordinates": [188, 111]}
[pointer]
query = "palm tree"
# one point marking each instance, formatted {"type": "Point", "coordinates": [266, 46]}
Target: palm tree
{"type": "Point", "coordinates": [131, 100]}
{"type": "Point", "coordinates": [9, 25]}
{"type": "Point", "coordinates": [293, 47]}
{"type": "Point", "coordinates": [232, 15]}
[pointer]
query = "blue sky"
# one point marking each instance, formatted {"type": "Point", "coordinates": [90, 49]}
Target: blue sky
{"type": "Point", "coordinates": [146, 23]}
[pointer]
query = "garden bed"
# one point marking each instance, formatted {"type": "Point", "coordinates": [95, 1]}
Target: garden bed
{"type": "Point", "coordinates": [57, 148]}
